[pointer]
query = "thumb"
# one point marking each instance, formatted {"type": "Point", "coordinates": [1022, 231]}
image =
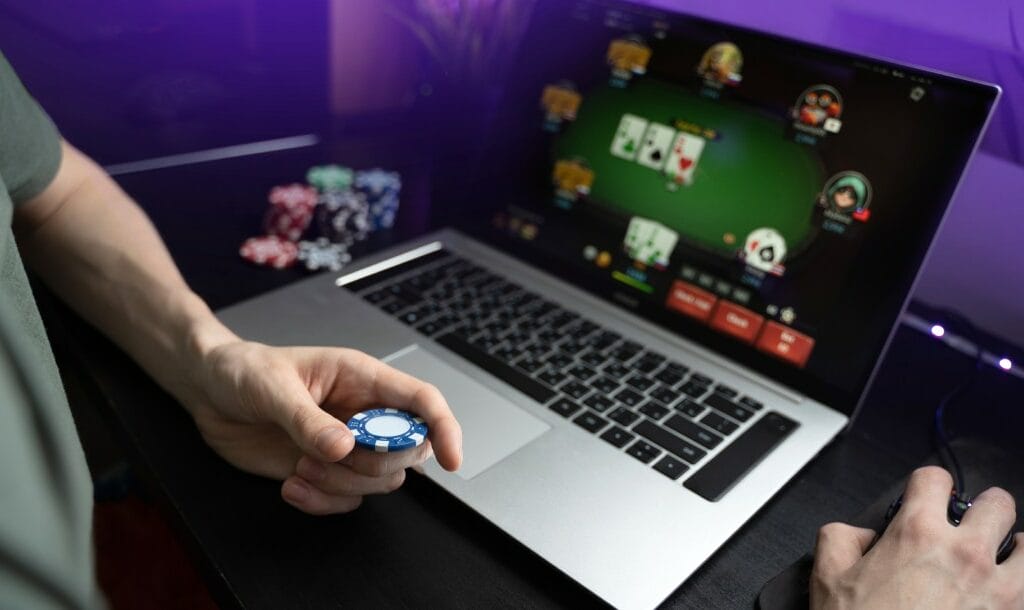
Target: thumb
{"type": "Point", "coordinates": [317, 433]}
{"type": "Point", "coordinates": [839, 547]}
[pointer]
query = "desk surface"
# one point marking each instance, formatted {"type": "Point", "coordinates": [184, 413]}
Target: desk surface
{"type": "Point", "coordinates": [419, 546]}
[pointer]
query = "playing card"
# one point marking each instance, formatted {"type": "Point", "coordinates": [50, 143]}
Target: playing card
{"type": "Point", "coordinates": [683, 158]}
{"type": "Point", "coordinates": [655, 146]}
{"type": "Point", "coordinates": [627, 136]}
{"type": "Point", "coordinates": [650, 242]}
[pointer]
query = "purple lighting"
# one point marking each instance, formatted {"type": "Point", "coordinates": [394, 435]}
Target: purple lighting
{"type": "Point", "coordinates": [938, 330]}
{"type": "Point", "coordinates": [1005, 364]}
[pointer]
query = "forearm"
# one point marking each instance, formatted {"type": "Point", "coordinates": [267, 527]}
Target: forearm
{"type": "Point", "coordinates": [100, 253]}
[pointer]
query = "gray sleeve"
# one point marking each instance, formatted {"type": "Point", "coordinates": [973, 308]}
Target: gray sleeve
{"type": "Point", "coordinates": [30, 151]}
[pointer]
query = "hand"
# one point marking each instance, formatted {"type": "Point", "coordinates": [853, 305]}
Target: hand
{"type": "Point", "coordinates": [922, 561]}
{"type": "Point", "coordinates": [279, 412]}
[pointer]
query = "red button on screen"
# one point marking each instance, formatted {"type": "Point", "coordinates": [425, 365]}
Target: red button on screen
{"type": "Point", "coordinates": [737, 321]}
{"type": "Point", "coordinates": [689, 299]}
{"type": "Point", "coordinates": [784, 342]}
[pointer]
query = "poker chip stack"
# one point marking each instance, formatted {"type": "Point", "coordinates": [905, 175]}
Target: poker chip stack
{"type": "Point", "coordinates": [381, 189]}
{"type": "Point", "coordinates": [343, 206]}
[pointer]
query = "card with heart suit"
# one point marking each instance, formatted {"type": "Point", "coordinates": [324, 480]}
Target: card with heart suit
{"type": "Point", "coordinates": [655, 146]}
{"type": "Point", "coordinates": [683, 158]}
{"type": "Point", "coordinates": [627, 136]}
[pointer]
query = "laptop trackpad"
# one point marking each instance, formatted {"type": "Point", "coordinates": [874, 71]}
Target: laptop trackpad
{"type": "Point", "coordinates": [492, 427]}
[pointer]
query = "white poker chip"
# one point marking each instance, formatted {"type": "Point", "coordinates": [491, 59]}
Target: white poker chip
{"type": "Point", "coordinates": [386, 430]}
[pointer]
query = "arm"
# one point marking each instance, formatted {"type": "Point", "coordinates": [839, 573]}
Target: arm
{"type": "Point", "coordinates": [277, 412]}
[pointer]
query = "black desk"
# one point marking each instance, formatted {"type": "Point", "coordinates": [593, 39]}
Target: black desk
{"type": "Point", "coordinates": [420, 547]}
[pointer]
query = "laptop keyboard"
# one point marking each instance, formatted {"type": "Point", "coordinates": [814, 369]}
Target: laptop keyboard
{"type": "Point", "coordinates": [655, 409]}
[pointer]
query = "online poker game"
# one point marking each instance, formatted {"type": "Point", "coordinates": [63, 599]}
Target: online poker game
{"type": "Point", "coordinates": [736, 192]}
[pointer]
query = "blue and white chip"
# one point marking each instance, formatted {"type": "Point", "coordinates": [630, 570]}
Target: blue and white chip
{"type": "Point", "coordinates": [385, 430]}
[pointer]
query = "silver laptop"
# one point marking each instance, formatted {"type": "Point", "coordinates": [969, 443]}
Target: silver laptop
{"type": "Point", "coordinates": [669, 279]}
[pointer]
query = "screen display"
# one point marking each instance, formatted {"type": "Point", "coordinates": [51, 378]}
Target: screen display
{"type": "Point", "coordinates": [769, 199]}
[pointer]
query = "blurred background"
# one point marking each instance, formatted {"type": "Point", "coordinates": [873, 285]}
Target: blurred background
{"type": "Point", "coordinates": [131, 80]}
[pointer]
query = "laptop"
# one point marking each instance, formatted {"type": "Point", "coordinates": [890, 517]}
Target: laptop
{"type": "Point", "coordinates": [671, 276]}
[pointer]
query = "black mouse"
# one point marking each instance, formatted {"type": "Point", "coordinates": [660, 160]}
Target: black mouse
{"type": "Point", "coordinates": [958, 505]}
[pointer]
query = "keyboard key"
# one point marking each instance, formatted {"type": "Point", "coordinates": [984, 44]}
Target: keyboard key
{"type": "Point", "coordinates": [702, 379]}
{"type": "Point", "coordinates": [429, 328]}
{"type": "Point", "coordinates": [559, 360]}
{"type": "Point", "coordinates": [564, 407]}
{"type": "Point", "coordinates": [552, 378]}
{"type": "Point", "coordinates": [605, 385]}
{"type": "Point", "coordinates": [717, 422]}
{"type": "Point", "coordinates": [394, 307]}
{"type": "Point", "coordinates": [646, 365]}
{"type": "Point", "coordinates": [623, 354]}
{"type": "Point", "coordinates": [653, 410]}
{"type": "Point", "coordinates": [599, 403]}
{"type": "Point", "coordinates": [690, 408]}
{"type": "Point", "coordinates": [624, 416]}
{"type": "Point", "coordinates": [525, 384]}
{"type": "Point", "coordinates": [671, 467]}
{"type": "Point", "coordinates": [677, 367]}
{"type": "Point", "coordinates": [749, 402]}
{"type": "Point", "coordinates": [645, 452]}
{"type": "Point", "coordinates": [629, 397]}
{"type": "Point", "coordinates": [378, 296]}
{"type": "Point", "coordinates": [669, 377]}
{"type": "Point", "coordinates": [575, 389]}
{"type": "Point", "coordinates": [640, 382]}
{"type": "Point", "coordinates": [593, 358]}
{"type": "Point", "coordinates": [726, 391]}
{"type": "Point", "coordinates": [616, 370]}
{"type": "Point", "coordinates": [617, 436]}
{"type": "Point", "coordinates": [670, 442]}
{"type": "Point", "coordinates": [664, 395]}
{"type": "Point", "coordinates": [590, 422]}
{"type": "Point", "coordinates": [704, 438]}
{"type": "Point", "coordinates": [724, 470]}
{"type": "Point", "coordinates": [530, 364]}
{"type": "Point", "coordinates": [694, 390]}
{"type": "Point", "coordinates": [581, 372]}
{"type": "Point", "coordinates": [728, 407]}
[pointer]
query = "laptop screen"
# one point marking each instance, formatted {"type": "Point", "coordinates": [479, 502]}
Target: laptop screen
{"type": "Point", "coordinates": [768, 199]}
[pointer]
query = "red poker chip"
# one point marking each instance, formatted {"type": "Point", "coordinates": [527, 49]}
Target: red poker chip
{"type": "Point", "coordinates": [293, 197]}
{"type": "Point", "coordinates": [270, 251]}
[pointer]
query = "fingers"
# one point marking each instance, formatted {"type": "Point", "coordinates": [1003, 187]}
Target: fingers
{"type": "Point", "coordinates": [340, 479]}
{"type": "Point", "coordinates": [315, 431]}
{"type": "Point", "coordinates": [397, 389]}
{"type": "Point", "coordinates": [307, 498]}
{"type": "Point", "coordinates": [926, 498]}
{"type": "Point", "coordinates": [373, 464]}
{"type": "Point", "coordinates": [990, 517]}
{"type": "Point", "coordinates": [838, 548]}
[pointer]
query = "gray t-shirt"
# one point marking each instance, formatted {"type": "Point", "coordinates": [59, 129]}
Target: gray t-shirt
{"type": "Point", "coordinates": [46, 552]}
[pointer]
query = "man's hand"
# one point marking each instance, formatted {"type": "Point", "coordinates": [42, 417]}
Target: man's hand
{"type": "Point", "coordinates": [280, 412]}
{"type": "Point", "coordinates": [922, 561]}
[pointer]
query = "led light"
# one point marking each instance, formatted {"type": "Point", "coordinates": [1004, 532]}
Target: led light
{"type": "Point", "coordinates": [937, 330]}
{"type": "Point", "coordinates": [1005, 364]}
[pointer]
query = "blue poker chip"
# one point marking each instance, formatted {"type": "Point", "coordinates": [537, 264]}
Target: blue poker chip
{"type": "Point", "coordinates": [385, 430]}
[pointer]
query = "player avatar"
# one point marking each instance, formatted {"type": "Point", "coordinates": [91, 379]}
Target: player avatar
{"type": "Point", "coordinates": [847, 193]}
{"type": "Point", "coordinates": [764, 250]}
{"type": "Point", "coordinates": [628, 56]}
{"type": "Point", "coordinates": [819, 108]}
{"type": "Point", "coordinates": [572, 178]}
{"type": "Point", "coordinates": [649, 242]}
{"type": "Point", "coordinates": [561, 102]}
{"type": "Point", "coordinates": [721, 65]}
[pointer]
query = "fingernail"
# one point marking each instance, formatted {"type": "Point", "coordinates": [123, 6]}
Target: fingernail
{"type": "Point", "coordinates": [295, 492]}
{"type": "Point", "coordinates": [311, 470]}
{"type": "Point", "coordinates": [327, 439]}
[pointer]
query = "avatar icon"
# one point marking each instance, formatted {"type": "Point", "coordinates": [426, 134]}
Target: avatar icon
{"type": "Point", "coordinates": [572, 178]}
{"type": "Point", "coordinates": [819, 106]}
{"type": "Point", "coordinates": [847, 193]}
{"type": "Point", "coordinates": [627, 57]}
{"type": "Point", "coordinates": [722, 64]}
{"type": "Point", "coordinates": [764, 250]}
{"type": "Point", "coordinates": [560, 102]}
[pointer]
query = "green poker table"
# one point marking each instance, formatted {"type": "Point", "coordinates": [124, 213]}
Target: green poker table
{"type": "Point", "coordinates": [750, 176]}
